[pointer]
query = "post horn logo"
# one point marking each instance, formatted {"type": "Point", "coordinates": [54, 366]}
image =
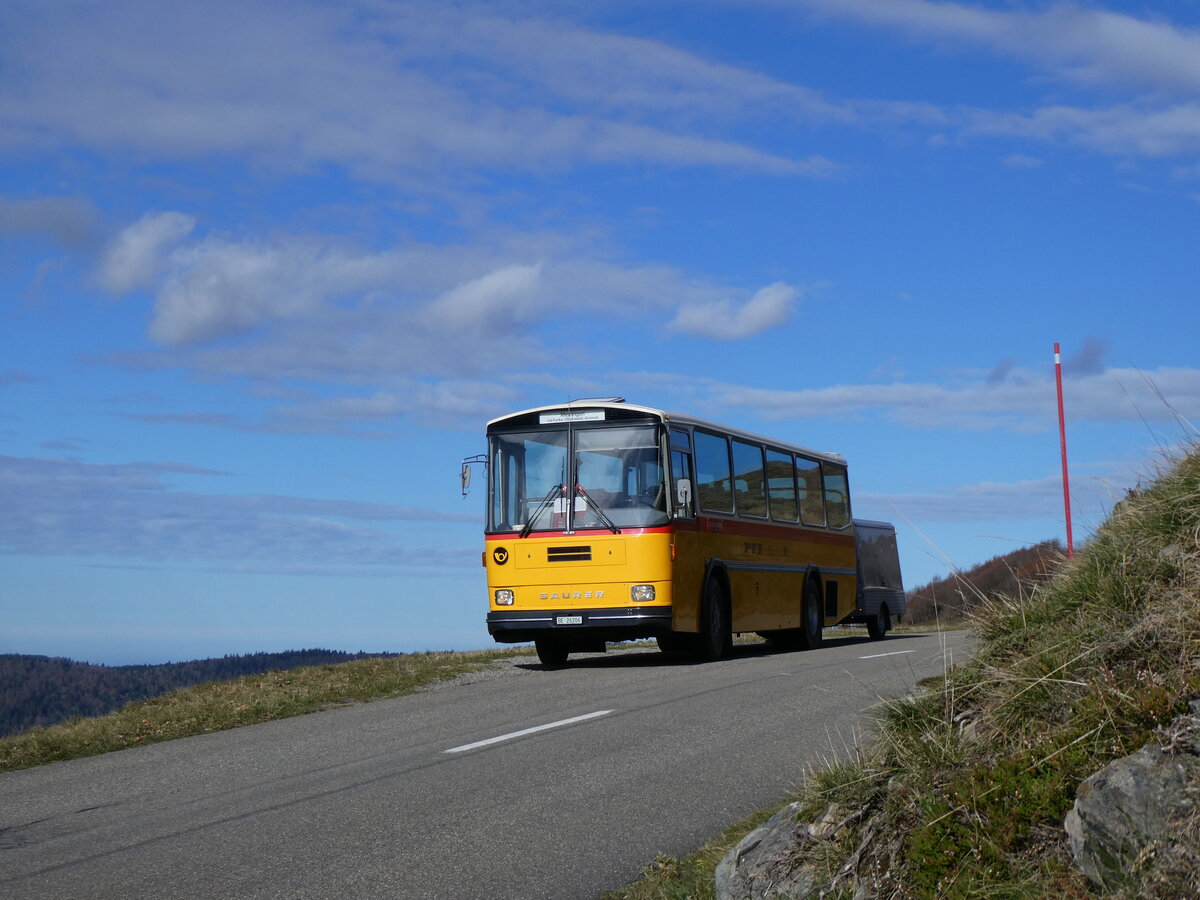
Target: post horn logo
{"type": "Point", "coordinates": [500, 555]}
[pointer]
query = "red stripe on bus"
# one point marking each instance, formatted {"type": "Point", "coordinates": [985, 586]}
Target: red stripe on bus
{"type": "Point", "coordinates": [735, 527]}
{"type": "Point", "coordinates": [588, 532]}
{"type": "Point", "coordinates": [742, 528]}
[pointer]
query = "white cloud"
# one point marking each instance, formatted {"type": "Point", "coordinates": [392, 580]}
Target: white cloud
{"type": "Point", "coordinates": [396, 91]}
{"type": "Point", "coordinates": [135, 256]}
{"type": "Point", "coordinates": [1125, 129]}
{"type": "Point", "coordinates": [498, 300]}
{"type": "Point", "coordinates": [325, 306]}
{"type": "Point", "coordinates": [1076, 43]}
{"type": "Point", "coordinates": [727, 320]}
{"type": "Point", "coordinates": [1152, 62]}
{"type": "Point", "coordinates": [1021, 161]}
{"type": "Point", "coordinates": [1020, 399]}
{"type": "Point", "coordinates": [131, 511]}
{"type": "Point", "coordinates": [71, 221]}
{"type": "Point", "coordinates": [986, 501]}
{"type": "Point", "coordinates": [218, 287]}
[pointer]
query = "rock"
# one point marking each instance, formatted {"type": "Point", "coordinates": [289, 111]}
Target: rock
{"type": "Point", "coordinates": [749, 869]}
{"type": "Point", "coordinates": [766, 862]}
{"type": "Point", "coordinates": [1134, 807]}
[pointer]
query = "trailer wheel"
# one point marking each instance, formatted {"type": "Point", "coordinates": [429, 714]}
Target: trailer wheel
{"type": "Point", "coordinates": [880, 624]}
{"type": "Point", "coordinates": [812, 615]}
{"type": "Point", "coordinates": [715, 639]}
{"type": "Point", "coordinates": [550, 652]}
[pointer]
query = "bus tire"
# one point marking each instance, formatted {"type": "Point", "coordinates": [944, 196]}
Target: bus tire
{"type": "Point", "coordinates": [812, 616]}
{"type": "Point", "coordinates": [551, 652]}
{"type": "Point", "coordinates": [880, 624]}
{"type": "Point", "coordinates": [715, 638]}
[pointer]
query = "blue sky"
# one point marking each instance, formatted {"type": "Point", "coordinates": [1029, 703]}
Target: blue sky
{"type": "Point", "coordinates": [267, 269]}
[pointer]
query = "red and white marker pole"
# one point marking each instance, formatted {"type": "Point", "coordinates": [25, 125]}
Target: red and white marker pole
{"type": "Point", "coordinates": [1062, 438]}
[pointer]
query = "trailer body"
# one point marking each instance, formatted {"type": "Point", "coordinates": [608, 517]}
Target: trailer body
{"type": "Point", "coordinates": [880, 598]}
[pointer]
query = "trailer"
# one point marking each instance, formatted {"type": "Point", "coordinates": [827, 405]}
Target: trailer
{"type": "Point", "coordinates": [880, 593]}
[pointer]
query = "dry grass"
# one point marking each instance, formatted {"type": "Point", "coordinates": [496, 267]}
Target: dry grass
{"type": "Point", "coordinates": [218, 705]}
{"type": "Point", "coordinates": [965, 785]}
{"type": "Point", "coordinates": [1070, 675]}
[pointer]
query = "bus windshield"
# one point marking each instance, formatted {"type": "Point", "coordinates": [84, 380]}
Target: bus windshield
{"type": "Point", "coordinates": [607, 477]}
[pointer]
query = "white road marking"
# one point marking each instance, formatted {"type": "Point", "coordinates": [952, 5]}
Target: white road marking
{"type": "Point", "coordinates": [893, 653]}
{"type": "Point", "coordinates": [525, 731]}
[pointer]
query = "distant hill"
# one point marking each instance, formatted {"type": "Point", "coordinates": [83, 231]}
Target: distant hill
{"type": "Point", "coordinates": [950, 599]}
{"type": "Point", "coordinates": [42, 691]}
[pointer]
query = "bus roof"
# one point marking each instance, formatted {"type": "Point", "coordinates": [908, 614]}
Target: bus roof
{"type": "Point", "coordinates": [669, 418]}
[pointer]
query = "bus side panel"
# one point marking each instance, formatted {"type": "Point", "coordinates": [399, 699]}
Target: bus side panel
{"type": "Point", "coordinates": [766, 601]}
{"type": "Point", "coordinates": [766, 572]}
{"type": "Point", "coordinates": [691, 556]}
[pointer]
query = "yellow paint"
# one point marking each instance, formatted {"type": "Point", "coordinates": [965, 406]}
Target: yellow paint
{"type": "Point", "coordinates": [549, 573]}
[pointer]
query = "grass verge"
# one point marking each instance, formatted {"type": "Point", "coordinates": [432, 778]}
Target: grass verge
{"type": "Point", "coordinates": [964, 786]}
{"type": "Point", "coordinates": [218, 705]}
{"type": "Point", "coordinates": [689, 877]}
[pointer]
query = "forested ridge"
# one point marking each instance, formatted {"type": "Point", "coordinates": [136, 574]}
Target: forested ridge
{"type": "Point", "coordinates": [949, 599]}
{"type": "Point", "coordinates": [42, 690]}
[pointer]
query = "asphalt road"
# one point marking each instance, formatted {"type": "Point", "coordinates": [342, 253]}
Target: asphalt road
{"type": "Point", "coordinates": [450, 794]}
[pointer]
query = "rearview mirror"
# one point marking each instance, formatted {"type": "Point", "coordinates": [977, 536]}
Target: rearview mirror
{"type": "Point", "coordinates": [683, 493]}
{"type": "Point", "coordinates": [465, 476]}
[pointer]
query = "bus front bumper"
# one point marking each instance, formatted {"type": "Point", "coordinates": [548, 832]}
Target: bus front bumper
{"type": "Point", "coordinates": [611, 624]}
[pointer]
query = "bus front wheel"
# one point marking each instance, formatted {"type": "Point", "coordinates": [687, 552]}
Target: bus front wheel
{"type": "Point", "coordinates": [551, 653]}
{"type": "Point", "coordinates": [812, 615]}
{"type": "Point", "coordinates": [716, 638]}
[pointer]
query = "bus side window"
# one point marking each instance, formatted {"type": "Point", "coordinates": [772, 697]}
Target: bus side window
{"type": "Point", "coordinates": [683, 503]}
{"type": "Point", "coordinates": [837, 495]}
{"type": "Point", "coordinates": [749, 481]}
{"type": "Point", "coordinates": [781, 486]}
{"type": "Point", "coordinates": [812, 496]}
{"type": "Point", "coordinates": [714, 480]}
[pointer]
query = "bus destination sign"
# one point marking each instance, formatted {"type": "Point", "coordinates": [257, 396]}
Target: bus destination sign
{"type": "Point", "coordinates": [572, 415]}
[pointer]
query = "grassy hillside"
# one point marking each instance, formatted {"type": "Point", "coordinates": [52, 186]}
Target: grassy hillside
{"type": "Point", "coordinates": [217, 705]}
{"type": "Point", "coordinates": [40, 691]}
{"type": "Point", "coordinates": [963, 791]}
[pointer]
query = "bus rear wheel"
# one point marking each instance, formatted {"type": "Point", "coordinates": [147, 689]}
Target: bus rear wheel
{"type": "Point", "coordinates": [715, 638]}
{"type": "Point", "coordinates": [812, 615]}
{"type": "Point", "coordinates": [551, 652]}
{"type": "Point", "coordinates": [879, 624]}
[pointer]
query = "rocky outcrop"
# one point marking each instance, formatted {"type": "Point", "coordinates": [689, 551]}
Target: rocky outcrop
{"type": "Point", "coordinates": [768, 861]}
{"type": "Point", "coordinates": [1137, 820]}
{"type": "Point", "coordinates": [1134, 829]}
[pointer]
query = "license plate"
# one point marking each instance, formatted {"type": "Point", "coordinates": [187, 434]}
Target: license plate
{"type": "Point", "coordinates": [568, 620]}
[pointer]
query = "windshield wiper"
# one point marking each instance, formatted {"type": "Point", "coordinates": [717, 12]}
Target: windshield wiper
{"type": "Point", "coordinates": [555, 491]}
{"type": "Point", "coordinates": [594, 507]}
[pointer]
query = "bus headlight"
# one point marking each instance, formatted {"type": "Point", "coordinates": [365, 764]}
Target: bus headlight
{"type": "Point", "coordinates": [642, 593]}
{"type": "Point", "coordinates": [504, 597]}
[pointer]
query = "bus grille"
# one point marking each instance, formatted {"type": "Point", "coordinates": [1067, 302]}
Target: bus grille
{"type": "Point", "coordinates": [568, 554]}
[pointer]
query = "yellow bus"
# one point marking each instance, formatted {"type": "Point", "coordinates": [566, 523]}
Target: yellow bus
{"type": "Point", "coordinates": [608, 521]}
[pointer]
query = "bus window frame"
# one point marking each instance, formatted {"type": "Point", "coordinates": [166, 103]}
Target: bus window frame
{"type": "Point", "coordinates": [843, 472]}
{"type": "Point", "coordinates": [816, 463]}
{"type": "Point", "coordinates": [762, 482]}
{"type": "Point", "coordinates": [790, 459]}
{"type": "Point", "coordinates": [724, 438]}
{"type": "Point", "coordinates": [687, 452]}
